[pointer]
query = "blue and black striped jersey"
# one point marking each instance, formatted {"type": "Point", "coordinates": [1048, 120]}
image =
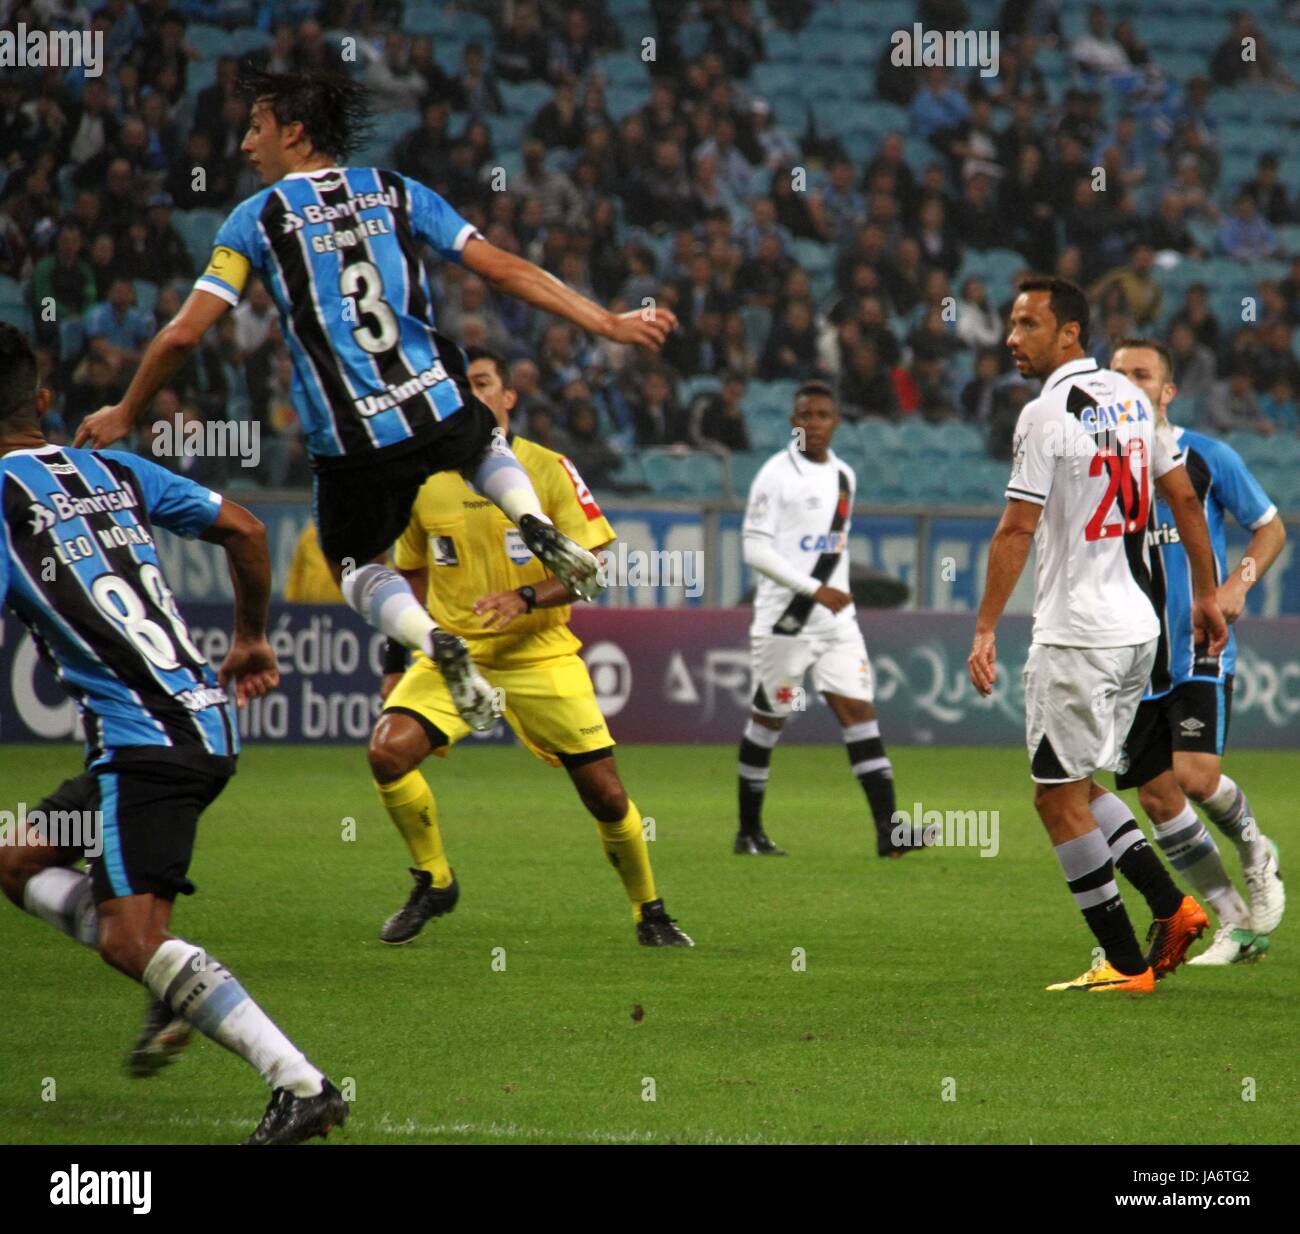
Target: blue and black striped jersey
{"type": "Point", "coordinates": [79, 567]}
{"type": "Point", "coordinates": [340, 254]}
{"type": "Point", "coordinates": [1223, 483]}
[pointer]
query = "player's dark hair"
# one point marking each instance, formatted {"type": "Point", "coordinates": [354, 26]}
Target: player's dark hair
{"type": "Point", "coordinates": [1067, 301]}
{"type": "Point", "coordinates": [333, 110]}
{"type": "Point", "coordinates": [1152, 344]}
{"type": "Point", "coordinates": [497, 361]}
{"type": "Point", "coordinates": [17, 372]}
{"type": "Point", "coordinates": [814, 388]}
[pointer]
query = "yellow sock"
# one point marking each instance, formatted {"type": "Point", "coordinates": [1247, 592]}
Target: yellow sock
{"type": "Point", "coordinates": [625, 846]}
{"type": "Point", "coordinates": [409, 802]}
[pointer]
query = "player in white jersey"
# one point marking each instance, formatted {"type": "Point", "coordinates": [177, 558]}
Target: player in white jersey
{"type": "Point", "coordinates": [796, 536]}
{"type": "Point", "coordinates": [1087, 455]}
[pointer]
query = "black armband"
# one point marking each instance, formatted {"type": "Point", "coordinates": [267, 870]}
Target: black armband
{"type": "Point", "coordinates": [394, 657]}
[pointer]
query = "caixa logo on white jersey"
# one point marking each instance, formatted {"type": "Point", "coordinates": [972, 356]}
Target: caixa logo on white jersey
{"type": "Point", "coordinates": [831, 542]}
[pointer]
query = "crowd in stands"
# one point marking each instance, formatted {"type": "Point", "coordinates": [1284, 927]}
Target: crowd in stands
{"type": "Point", "coordinates": [788, 248]}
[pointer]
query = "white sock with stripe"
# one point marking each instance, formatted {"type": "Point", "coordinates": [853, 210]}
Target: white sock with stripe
{"type": "Point", "coordinates": [385, 599]}
{"type": "Point", "coordinates": [63, 897]}
{"type": "Point", "coordinates": [1228, 809]}
{"type": "Point", "coordinates": [1191, 850]}
{"type": "Point", "coordinates": [197, 986]}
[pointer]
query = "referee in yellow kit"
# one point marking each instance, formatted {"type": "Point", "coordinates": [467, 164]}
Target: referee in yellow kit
{"type": "Point", "coordinates": [470, 565]}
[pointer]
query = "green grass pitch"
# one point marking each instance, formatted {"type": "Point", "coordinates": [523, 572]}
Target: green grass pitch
{"type": "Point", "coordinates": [924, 977]}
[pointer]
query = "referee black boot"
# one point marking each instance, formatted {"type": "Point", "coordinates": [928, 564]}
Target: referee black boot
{"type": "Point", "coordinates": [425, 902]}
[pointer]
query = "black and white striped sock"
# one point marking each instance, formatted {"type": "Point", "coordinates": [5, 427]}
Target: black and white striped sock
{"type": "Point", "coordinates": [755, 763]}
{"type": "Point", "coordinates": [1135, 859]}
{"type": "Point", "coordinates": [873, 770]}
{"type": "Point", "coordinates": [1090, 873]}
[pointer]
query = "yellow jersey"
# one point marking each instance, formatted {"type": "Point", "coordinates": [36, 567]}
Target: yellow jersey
{"type": "Point", "coordinates": [473, 550]}
{"type": "Point", "coordinates": [310, 580]}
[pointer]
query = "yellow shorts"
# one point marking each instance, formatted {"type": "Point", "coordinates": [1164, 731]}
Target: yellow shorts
{"type": "Point", "coordinates": [551, 705]}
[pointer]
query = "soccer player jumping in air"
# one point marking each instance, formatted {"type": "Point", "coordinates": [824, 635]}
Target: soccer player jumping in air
{"type": "Point", "coordinates": [1088, 453]}
{"type": "Point", "coordinates": [78, 566]}
{"type": "Point", "coordinates": [383, 397]}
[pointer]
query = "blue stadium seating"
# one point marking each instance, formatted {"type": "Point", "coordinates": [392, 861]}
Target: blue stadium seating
{"type": "Point", "coordinates": [689, 477]}
{"type": "Point", "coordinates": [744, 466]}
{"type": "Point", "coordinates": [196, 228]}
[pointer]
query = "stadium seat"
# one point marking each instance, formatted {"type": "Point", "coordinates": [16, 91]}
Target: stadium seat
{"type": "Point", "coordinates": [878, 436]}
{"type": "Point", "coordinates": [11, 292]}
{"type": "Point", "coordinates": [146, 294]}
{"type": "Point", "coordinates": [688, 477]}
{"type": "Point", "coordinates": [525, 98]}
{"type": "Point", "coordinates": [197, 228]}
{"type": "Point", "coordinates": [758, 324]}
{"type": "Point", "coordinates": [960, 441]}
{"type": "Point", "coordinates": [744, 466]}
{"type": "Point", "coordinates": [17, 315]}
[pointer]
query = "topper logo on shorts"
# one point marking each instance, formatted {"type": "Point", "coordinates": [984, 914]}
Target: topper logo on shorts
{"type": "Point", "coordinates": [119, 1187]}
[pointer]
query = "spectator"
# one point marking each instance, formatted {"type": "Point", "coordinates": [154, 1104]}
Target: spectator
{"type": "Point", "coordinates": [790, 352]}
{"type": "Point", "coordinates": [734, 36]}
{"type": "Point", "coordinates": [1194, 363]}
{"type": "Point", "coordinates": [521, 52]}
{"type": "Point", "coordinates": [559, 123]}
{"type": "Point", "coordinates": [63, 279]}
{"type": "Point", "coordinates": [1097, 51]}
{"type": "Point", "coordinates": [865, 385]}
{"type": "Point", "coordinates": [1231, 67]}
{"type": "Point", "coordinates": [596, 460]}
{"type": "Point", "coordinates": [939, 247]}
{"type": "Point", "coordinates": [1278, 406]}
{"type": "Point", "coordinates": [572, 50]}
{"type": "Point", "coordinates": [116, 330]}
{"type": "Point", "coordinates": [1025, 204]}
{"type": "Point", "coordinates": [978, 396]}
{"type": "Point", "coordinates": [658, 417]}
{"type": "Point", "coordinates": [737, 354]}
{"type": "Point", "coordinates": [1140, 293]}
{"type": "Point", "coordinates": [979, 324]}
{"type": "Point", "coordinates": [1246, 234]}
{"type": "Point", "coordinates": [660, 194]}
{"type": "Point", "coordinates": [560, 201]}
{"type": "Point", "coordinates": [1167, 232]}
{"type": "Point", "coordinates": [1269, 192]}
{"type": "Point", "coordinates": [1196, 312]}
{"type": "Point", "coordinates": [1232, 406]}
{"type": "Point", "coordinates": [718, 419]}
{"type": "Point", "coordinates": [939, 107]}
{"type": "Point", "coordinates": [421, 152]}
{"type": "Point", "coordinates": [979, 222]}
{"type": "Point", "coordinates": [475, 90]}
{"type": "Point", "coordinates": [93, 388]}
{"type": "Point", "coordinates": [104, 262]}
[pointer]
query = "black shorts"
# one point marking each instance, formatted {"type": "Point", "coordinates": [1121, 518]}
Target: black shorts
{"type": "Point", "coordinates": [361, 509]}
{"type": "Point", "coordinates": [1192, 718]}
{"type": "Point", "coordinates": [148, 816]}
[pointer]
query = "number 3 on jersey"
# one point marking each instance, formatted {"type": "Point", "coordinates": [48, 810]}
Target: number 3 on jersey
{"type": "Point", "coordinates": [360, 282]}
{"type": "Point", "coordinates": [1128, 483]}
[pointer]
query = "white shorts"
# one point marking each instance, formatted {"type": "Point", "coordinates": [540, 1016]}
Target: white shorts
{"type": "Point", "coordinates": [1079, 707]}
{"type": "Point", "coordinates": [838, 661]}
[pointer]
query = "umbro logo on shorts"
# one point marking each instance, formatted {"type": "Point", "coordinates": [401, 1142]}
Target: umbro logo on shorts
{"type": "Point", "coordinates": [1191, 726]}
